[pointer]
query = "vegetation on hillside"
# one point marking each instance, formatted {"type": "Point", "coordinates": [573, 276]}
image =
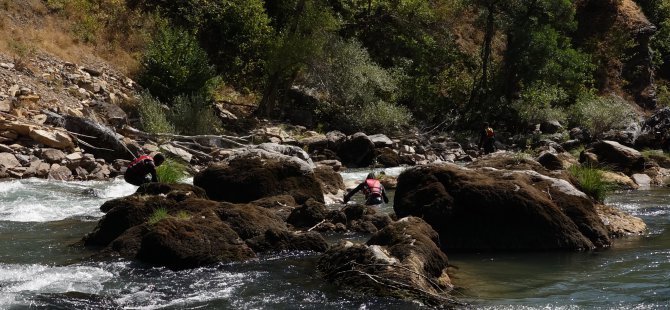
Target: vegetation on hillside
{"type": "Point", "coordinates": [372, 65]}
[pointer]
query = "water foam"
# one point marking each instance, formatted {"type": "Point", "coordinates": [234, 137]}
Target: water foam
{"type": "Point", "coordinates": [18, 279]}
{"type": "Point", "coordinates": [36, 200]}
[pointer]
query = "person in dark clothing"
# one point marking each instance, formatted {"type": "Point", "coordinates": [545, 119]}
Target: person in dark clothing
{"type": "Point", "coordinates": [373, 190]}
{"type": "Point", "coordinates": [138, 170]}
{"type": "Point", "coordinates": [487, 139]}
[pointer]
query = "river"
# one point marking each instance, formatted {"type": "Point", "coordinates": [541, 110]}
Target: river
{"type": "Point", "coordinates": [39, 220]}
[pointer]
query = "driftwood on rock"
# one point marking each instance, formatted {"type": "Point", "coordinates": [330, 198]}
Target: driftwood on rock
{"type": "Point", "coordinates": [202, 140]}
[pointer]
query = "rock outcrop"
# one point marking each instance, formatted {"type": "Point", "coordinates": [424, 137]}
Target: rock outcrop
{"type": "Point", "coordinates": [173, 226]}
{"type": "Point", "coordinates": [245, 179]}
{"type": "Point", "coordinates": [490, 209]}
{"type": "Point", "coordinates": [402, 260]}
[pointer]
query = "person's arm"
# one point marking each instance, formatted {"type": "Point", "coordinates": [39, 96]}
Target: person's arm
{"type": "Point", "coordinates": [353, 191]}
{"type": "Point", "coordinates": [386, 199]}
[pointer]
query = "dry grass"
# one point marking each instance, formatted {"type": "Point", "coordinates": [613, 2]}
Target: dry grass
{"type": "Point", "coordinates": [26, 28]}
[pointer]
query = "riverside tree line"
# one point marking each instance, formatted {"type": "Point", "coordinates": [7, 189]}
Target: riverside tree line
{"type": "Point", "coordinates": [382, 65]}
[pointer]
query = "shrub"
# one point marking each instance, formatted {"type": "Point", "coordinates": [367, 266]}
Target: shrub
{"type": "Point", "coordinates": [541, 103]}
{"type": "Point", "coordinates": [601, 114]}
{"type": "Point", "coordinates": [174, 64]}
{"type": "Point", "coordinates": [590, 181]}
{"type": "Point", "coordinates": [382, 117]}
{"type": "Point", "coordinates": [152, 115]}
{"type": "Point", "coordinates": [158, 215]}
{"type": "Point", "coordinates": [194, 115]}
{"type": "Point", "coordinates": [171, 171]}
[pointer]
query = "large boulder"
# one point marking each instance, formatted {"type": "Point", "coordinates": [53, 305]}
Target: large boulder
{"type": "Point", "coordinates": [357, 151]}
{"type": "Point", "coordinates": [490, 209]}
{"type": "Point", "coordinates": [402, 260]}
{"type": "Point", "coordinates": [246, 179]}
{"type": "Point", "coordinates": [617, 156]}
{"type": "Point", "coordinates": [182, 243]}
{"type": "Point", "coordinates": [169, 225]}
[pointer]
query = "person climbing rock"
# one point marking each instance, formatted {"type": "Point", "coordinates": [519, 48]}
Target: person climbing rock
{"type": "Point", "coordinates": [487, 139]}
{"type": "Point", "coordinates": [139, 169]}
{"type": "Point", "coordinates": [372, 189]}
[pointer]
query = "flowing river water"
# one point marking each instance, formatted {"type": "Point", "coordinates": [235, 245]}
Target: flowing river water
{"type": "Point", "coordinates": [39, 220]}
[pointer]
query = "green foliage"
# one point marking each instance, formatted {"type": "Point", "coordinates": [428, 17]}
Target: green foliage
{"type": "Point", "coordinates": [541, 103]}
{"type": "Point", "coordinates": [663, 95]}
{"type": "Point", "coordinates": [382, 117]}
{"type": "Point", "coordinates": [171, 171]}
{"type": "Point", "coordinates": [183, 215]}
{"type": "Point", "coordinates": [590, 181]}
{"type": "Point", "coordinates": [235, 33]}
{"type": "Point", "coordinates": [601, 114]}
{"type": "Point", "coordinates": [174, 64]}
{"type": "Point", "coordinates": [355, 87]}
{"type": "Point", "coordinates": [153, 117]}
{"type": "Point", "coordinates": [194, 115]}
{"type": "Point", "coordinates": [539, 48]}
{"type": "Point", "coordinates": [158, 215]}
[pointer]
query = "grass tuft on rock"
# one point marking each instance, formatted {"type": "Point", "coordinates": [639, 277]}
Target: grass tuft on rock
{"type": "Point", "coordinates": [171, 171]}
{"type": "Point", "coordinates": [158, 215]}
{"type": "Point", "coordinates": [591, 181]}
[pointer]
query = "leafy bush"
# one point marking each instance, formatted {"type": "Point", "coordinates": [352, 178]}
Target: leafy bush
{"type": "Point", "coordinates": [601, 114]}
{"type": "Point", "coordinates": [171, 171]}
{"type": "Point", "coordinates": [194, 115]}
{"type": "Point", "coordinates": [158, 215]}
{"type": "Point", "coordinates": [353, 84]}
{"type": "Point", "coordinates": [174, 64]}
{"type": "Point", "coordinates": [590, 181]}
{"type": "Point", "coordinates": [541, 103]}
{"type": "Point", "coordinates": [152, 115]}
{"type": "Point", "coordinates": [382, 117]}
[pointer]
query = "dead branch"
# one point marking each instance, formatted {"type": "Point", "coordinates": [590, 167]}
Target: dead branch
{"type": "Point", "coordinates": [192, 151]}
{"type": "Point", "coordinates": [317, 225]}
{"type": "Point", "coordinates": [223, 138]}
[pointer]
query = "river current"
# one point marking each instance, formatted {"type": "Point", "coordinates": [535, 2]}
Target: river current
{"type": "Point", "coordinates": [39, 269]}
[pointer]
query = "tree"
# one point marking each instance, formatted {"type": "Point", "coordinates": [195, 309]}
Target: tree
{"type": "Point", "coordinates": [235, 33]}
{"type": "Point", "coordinates": [304, 26]}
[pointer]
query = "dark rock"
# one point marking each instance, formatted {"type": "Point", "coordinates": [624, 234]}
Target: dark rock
{"type": "Point", "coordinates": [401, 260]}
{"type": "Point", "coordinates": [475, 210]}
{"type": "Point", "coordinates": [177, 192]}
{"type": "Point", "coordinates": [387, 157]}
{"type": "Point", "coordinates": [335, 139]}
{"type": "Point", "coordinates": [283, 240]}
{"type": "Point", "coordinates": [618, 157]}
{"type": "Point", "coordinates": [331, 181]}
{"type": "Point", "coordinates": [356, 211]}
{"type": "Point", "coordinates": [550, 161]}
{"type": "Point", "coordinates": [246, 179]}
{"type": "Point", "coordinates": [308, 215]}
{"type": "Point", "coordinates": [357, 151]}
{"type": "Point", "coordinates": [551, 127]}
{"type": "Point", "coordinates": [188, 243]}
{"type": "Point", "coordinates": [655, 131]}
{"type": "Point", "coordinates": [248, 220]}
